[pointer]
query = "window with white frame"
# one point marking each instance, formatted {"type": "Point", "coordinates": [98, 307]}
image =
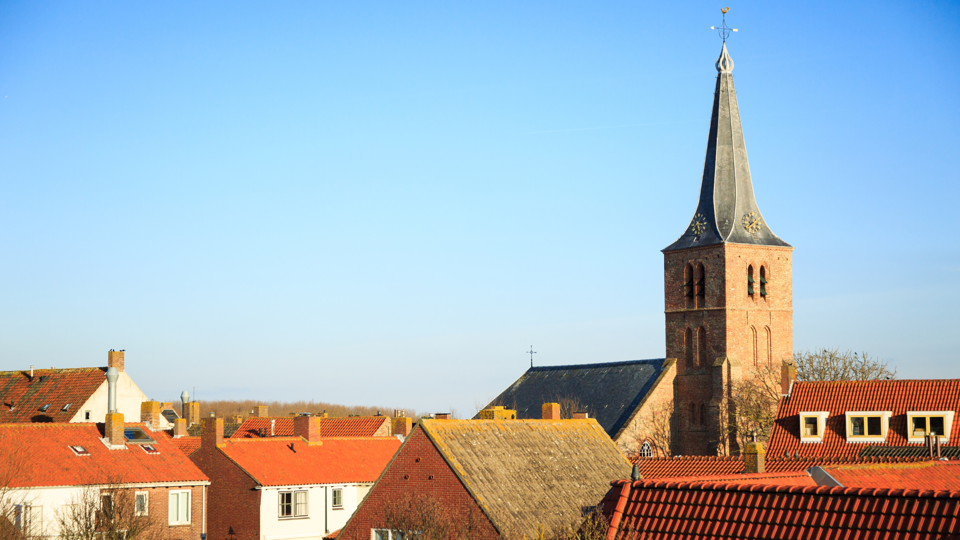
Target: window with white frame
{"type": "Point", "coordinates": [812, 424]}
{"type": "Point", "coordinates": [923, 423]}
{"type": "Point", "coordinates": [292, 504]}
{"type": "Point", "coordinates": [867, 426]}
{"type": "Point", "coordinates": [387, 534]}
{"type": "Point", "coordinates": [30, 519]}
{"type": "Point", "coordinates": [141, 503]}
{"type": "Point", "coordinates": [180, 507]}
{"type": "Point", "coordinates": [337, 497]}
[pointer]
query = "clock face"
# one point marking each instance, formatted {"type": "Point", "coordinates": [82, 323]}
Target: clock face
{"type": "Point", "coordinates": [751, 222]}
{"type": "Point", "coordinates": [698, 225]}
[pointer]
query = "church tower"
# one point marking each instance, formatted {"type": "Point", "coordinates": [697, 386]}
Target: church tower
{"type": "Point", "coordinates": [727, 287]}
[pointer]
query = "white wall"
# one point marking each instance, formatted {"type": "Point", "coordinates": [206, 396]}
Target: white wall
{"type": "Point", "coordinates": [129, 398]}
{"type": "Point", "coordinates": [322, 518]}
{"type": "Point", "coordinates": [51, 500]}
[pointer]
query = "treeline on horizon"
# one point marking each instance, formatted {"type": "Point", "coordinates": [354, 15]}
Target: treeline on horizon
{"type": "Point", "coordinates": [227, 409]}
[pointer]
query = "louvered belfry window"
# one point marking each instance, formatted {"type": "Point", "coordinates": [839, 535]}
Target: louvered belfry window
{"type": "Point", "coordinates": [763, 282]}
{"type": "Point", "coordinates": [750, 281]}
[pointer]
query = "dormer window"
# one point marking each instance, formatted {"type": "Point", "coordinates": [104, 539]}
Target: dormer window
{"type": "Point", "coordinates": [923, 423]}
{"type": "Point", "coordinates": [812, 425]}
{"type": "Point", "coordinates": [867, 426]}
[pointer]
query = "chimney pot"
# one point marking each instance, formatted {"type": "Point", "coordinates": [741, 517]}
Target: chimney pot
{"type": "Point", "coordinates": [112, 375]}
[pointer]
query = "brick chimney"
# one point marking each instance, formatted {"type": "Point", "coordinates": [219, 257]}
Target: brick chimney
{"type": "Point", "coordinates": [402, 426]}
{"type": "Point", "coordinates": [551, 411]}
{"type": "Point", "coordinates": [150, 414]}
{"type": "Point", "coordinates": [179, 428]}
{"type": "Point", "coordinates": [113, 428]}
{"type": "Point", "coordinates": [260, 411]}
{"type": "Point", "coordinates": [497, 412]}
{"type": "Point", "coordinates": [788, 374]}
{"type": "Point", "coordinates": [115, 359]}
{"type": "Point", "coordinates": [442, 416]}
{"type": "Point", "coordinates": [753, 456]}
{"type": "Point", "coordinates": [211, 432]}
{"type": "Point", "coordinates": [192, 413]}
{"type": "Point", "coordinates": [237, 419]}
{"type": "Point", "coordinates": [307, 427]}
{"type": "Point", "coordinates": [580, 416]}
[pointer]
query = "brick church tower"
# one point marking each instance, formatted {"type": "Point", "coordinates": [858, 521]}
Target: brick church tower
{"type": "Point", "coordinates": [727, 286]}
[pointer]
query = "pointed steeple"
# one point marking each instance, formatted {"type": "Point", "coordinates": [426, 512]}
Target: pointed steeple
{"type": "Point", "coordinates": [727, 212]}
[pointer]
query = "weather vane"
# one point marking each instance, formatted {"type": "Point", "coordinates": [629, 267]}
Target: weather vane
{"type": "Point", "coordinates": [723, 29]}
{"type": "Point", "coordinates": [531, 352]}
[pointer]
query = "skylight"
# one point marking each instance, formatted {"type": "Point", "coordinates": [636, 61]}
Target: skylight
{"type": "Point", "coordinates": [66, 407]}
{"type": "Point", "coordinates": [137, 436]}
{"type": "Point", "coordinates": [45, 407]}
{"type": "Point", "coordinates": [80, 451]}
{"type": "Point", "coordinates": [150, 449]}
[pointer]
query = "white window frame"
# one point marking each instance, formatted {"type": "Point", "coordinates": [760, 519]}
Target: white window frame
{"type": "Point", "coordinates": [30, 519]}
{"type": "Point", "coordinates": [821, 417]}
{"type": "Point", "coordinates": [947, 424]}
{"type": "Point", "coordinates": [179, 492]}
{"type": "Point", "coordinates": [88, 416]}
{"type": "Point", "coordinates": [146, 503]}
{"type": "Point", "coordinates": [884, 427]}
{"type": "Point", "coordinates": [295, 506]}
{"type": "Point", "coordinates": [336, 493]}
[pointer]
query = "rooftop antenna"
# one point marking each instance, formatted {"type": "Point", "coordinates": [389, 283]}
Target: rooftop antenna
{"type": "Point", "coordinates": [531, 352]}
{"type": "Point", "coordinates": [723, 30]}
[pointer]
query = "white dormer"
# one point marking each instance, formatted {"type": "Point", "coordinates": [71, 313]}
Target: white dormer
{"type": "Point", "coordinates": [812, 424]}
{"type": "Point", "coordinates": [867, 426]}
{"type": "Point", "coordinates": [923, 423]}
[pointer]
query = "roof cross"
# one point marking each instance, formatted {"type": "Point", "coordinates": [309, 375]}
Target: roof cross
{"type": "Point", "coordinates": [531, 352]}
{"type": "Point", "coordinates": [723, 30]}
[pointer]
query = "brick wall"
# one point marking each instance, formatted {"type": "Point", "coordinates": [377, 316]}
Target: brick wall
{"type": "Point", "coordinates": [158, 508]}
{"type": "Point", "coordinates": [232, 502]}
{"type": "Point", "coordinates": [712, 336]}
{"type": "Point", "coordinates": [419, 469]}
{"type": "Point", "coordinates": [643, 427]}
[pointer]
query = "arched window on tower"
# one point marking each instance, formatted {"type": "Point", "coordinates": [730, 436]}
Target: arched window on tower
{"type": "Point", "coordinates": [688, 347]}
{"type": "Point", "coordinates": [753, 346]}
{"type": "Point", "coordinates": [768, 343]}
{"type": "Point", "coordinates": [688, 289]}
{"type": "Point", "coordinates": [693, 413]}
{"type": "Point", "coordinates": [701, 286]}
{"type": "Point", "coordinates": [763, 282]}
{"type": "Point", "coordinates": [645, 450]}
{"type": "Point", "coordinates": [703, 414]}
{"type": "Point", "coordinates": [702, 346]}
{"type": "Point", "coordinates": [750, 280]}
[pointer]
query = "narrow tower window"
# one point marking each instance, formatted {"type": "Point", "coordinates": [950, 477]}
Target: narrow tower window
{"type": "Point", "coordinates": [693, 413]}
{"type": "Point", "coordinates": [768, 343]}
{"type": "Point", "coordinates": [703, 414]}
{"type": "Point", "coordinates": [688, 284]}
{"type": "Point", "coordinates": [702, 346]}
{"type": "Point", "coordinates": [753, 346]}
{"type": "Point", "coordinates": [688, 347]}
{"type": "Point", "coordinates": [763, 282]}
{"type": "Point", "coordinates": [701, 286]}
{"type": "Point", "coordinates": [750, 280]}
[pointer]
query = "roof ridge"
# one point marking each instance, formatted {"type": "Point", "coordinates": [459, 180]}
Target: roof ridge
{"type": "Point", "coordinates": [595, 365]}
{"type": "Point", "coordinates": [58, 370]}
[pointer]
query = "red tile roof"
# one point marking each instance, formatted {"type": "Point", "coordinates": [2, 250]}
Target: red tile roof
{"type": "Point", "coordinates": [43, 457]}
{"type": "Point", "coordinates": [283, 461]}
{"type": "Point", "coordinates": [699, 466]}
{"type": "Point", "coordinates": [348, 426]}
{"type": "Point", "coordinates": [838, 397]}
{"type": "Point", "coordinates": [789, 478]}
{"type": "Point", "coordinates": [937, 475]}
{"type": "Point", "coordinates": [716, 510]}
{"type": "Point", "coordinates": [187, 445]}
{"type": "Point", "coordinates": [22, 397]}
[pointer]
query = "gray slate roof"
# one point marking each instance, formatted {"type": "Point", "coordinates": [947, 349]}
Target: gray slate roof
{"type": "Point", "coordinates": [727, 211]}
{"type": "Point", "coordinates": [609, 392]}
{"type": "Point", "coordinates": [530, 474]}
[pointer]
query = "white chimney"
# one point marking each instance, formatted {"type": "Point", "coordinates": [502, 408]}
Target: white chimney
{"type": "Point", "coordinates": [112, 376]}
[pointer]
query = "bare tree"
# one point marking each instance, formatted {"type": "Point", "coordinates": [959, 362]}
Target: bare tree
{"type": "Point", "coordinates": [425, 518]}
{"type": "Point", "coordinates": [570, 405]}
{"type": "Point", "coordinates": [109, 512]}
{"type": "Point", "coordinates": [593, 526]}
{"type": "Point", "coordinates": [655, 429]}
{"type": "Point", "coordinates": [833, 365]}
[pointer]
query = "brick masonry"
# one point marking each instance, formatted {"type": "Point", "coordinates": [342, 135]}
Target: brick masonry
{"type": "Point", "coordinates": [158, 507]}
{"type": "Point", "coordinates": [721, 335]}
{"type": "Point", "coordinates": [419, 469]}
{"type": "Point", "coordinates": [232, 502]}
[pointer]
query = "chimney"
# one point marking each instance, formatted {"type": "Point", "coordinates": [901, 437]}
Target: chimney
{"type": "Point", "coordinates": [115, 359]}
{"type": "Point", "coordinates": [307, 427]}
{"type": "Point", "coordinates": [260, 411]}
{"type": "Point", "coordinates": [237, 419]}
{"type": "Point", "coordinates": [184, 399]}
{"type": "Point", "coordinates": [179, 428]}
{"type": "Point", "coordinates": [497, 412]}
{"type": "Point", "coordinates": [442, 416]}
{"type": "Point", "coordinates": [113, 428]}
{"type": "Point", "coordinates": [788, 374]}
{"type": "Point", "coordinates": [580, 416]}
{"type": "Point", "coordinates": [273, 427]}
{"type": "Point", "coordinates": [31, 372]}
{"type": "Point", "coordinates": [193, 413]}
{"type": "Point", "coordinates": [753, 458]}
{"type": "Point", "coordinates": [322, 414]}
{"type": "Point", "coordinates": [551, 411]}
{"type": "Point", "coordinates": [402, 426]}
{"type": "Point", "coordinates": [211, 432]}
{"type": "Point", "coordinates": [150, 414]}
{"type": "Point", "coordinates": [112, 375]}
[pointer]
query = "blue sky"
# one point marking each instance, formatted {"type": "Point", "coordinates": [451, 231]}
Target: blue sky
{"type": "Point", "coordinates": [389, 203]}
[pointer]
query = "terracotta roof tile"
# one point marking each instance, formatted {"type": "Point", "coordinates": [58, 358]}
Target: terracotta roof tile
{"type": "Point", "coordinates": [838, 397]}
{"type": "Point", "coordinates": [283, 461]}
{"type": "Point", "coordinates": [43, 457]}
{"type": "Point", "coordinates": [23, 397]}
{"type": "Point", "coordinates": [187, 445]}
{"type": "Point", "coordinates": [347, 426]}
{"type": "Point", "coordinates": [935, 475]}
{"type": "Point", "coordinates": [698, 466]}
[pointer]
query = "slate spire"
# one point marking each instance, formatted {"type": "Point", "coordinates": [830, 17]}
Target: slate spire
{"type": "Point", "coordinates": [727, 211]}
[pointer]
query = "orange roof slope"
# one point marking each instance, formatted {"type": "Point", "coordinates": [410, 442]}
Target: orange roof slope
{"type": "Point", "coordinates": [838, 397]}
{"type": "Point", "coordinates": [701, 466]}
{"type": "Point", "coordinates": [283, 461]}
{"type": "Point", "coordinates": [936, 475]}
{"type": "Point", "coordinates": [349, 426]}
{"type": "Point", "coordinates": [22, 397]}
{"type": "Point", "coordinates": [40, 456]}
{"type": "Point", "coordinates": [187, 445]}
{"type": "Point", "coordinates": [707, 511]}
{"type": "Point", "coordinates": [789, 478]}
